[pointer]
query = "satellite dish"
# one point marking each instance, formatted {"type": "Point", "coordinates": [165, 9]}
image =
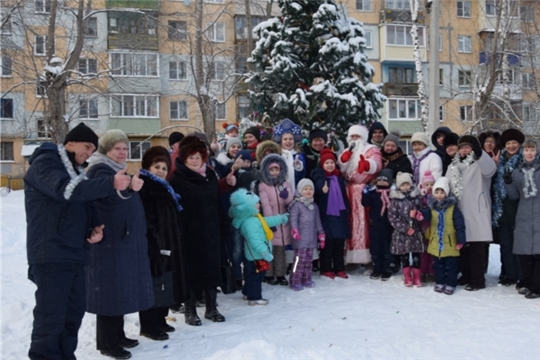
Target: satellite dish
{"type": "Point", "coordinates": [187, 2]}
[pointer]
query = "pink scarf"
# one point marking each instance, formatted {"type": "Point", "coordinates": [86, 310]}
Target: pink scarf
{"type": "Point", "coordinates": [384, 198]}
{"type": "Point", "coordinates": [202, 170]}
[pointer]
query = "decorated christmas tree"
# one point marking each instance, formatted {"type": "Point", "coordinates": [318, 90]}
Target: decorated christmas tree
{"type": "Point", "coordinates": [310, 67]}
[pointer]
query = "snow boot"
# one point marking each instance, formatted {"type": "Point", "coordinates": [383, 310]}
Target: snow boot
{"type": "Point", "coordinates": [328, 274]}
{"type": "Point", "coordinates": [407, 278]}
{"type": "Point", "coordinates": [211, 311]}
{"type": "Point", "coordinates": [417, 274]}
{"type": "Point", "coordinates": [191, 316]}
{"type": "Point", "coordinates": [342, 274]}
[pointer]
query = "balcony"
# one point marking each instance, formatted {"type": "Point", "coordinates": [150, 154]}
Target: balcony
{"type": "Point", "coordinates": [136, 126]}
{"type": "Point", "coordinates": [486, 58]}
{"type": "Point", "coordinates": [400, 16]}
{"type": "Point", "coordinates": [133, 41]}
{"type": "Point", "coordinates": [133, 4]}
{"type": "Point", "coordinates": [400, 89]}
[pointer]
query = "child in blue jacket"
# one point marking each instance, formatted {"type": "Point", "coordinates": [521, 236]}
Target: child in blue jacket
{"type": "Point", "coordinates": [258, 236]}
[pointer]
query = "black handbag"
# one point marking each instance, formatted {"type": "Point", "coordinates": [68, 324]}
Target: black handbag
{"type": "Point", "coordinates": [163, 289]}
{"type": "Point", "coordinates": [228, 283]}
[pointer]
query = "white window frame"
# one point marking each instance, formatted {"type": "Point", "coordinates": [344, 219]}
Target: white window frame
{"type": "Point", "coordinates": [464, 44]}
{"type": "Point", "coordinates": [41, 129]}
{"type": "Point", "coordinates": [214, 1]}
{"type": "Point", "coordinates": [87, 66]}
{"type": "Point", "coordinates": [464, 78]}
{"type": "Point", "coordinates": [221, 111]}
{"type": "Point", "coordinates": [175, 33]}
{"type": "Point", "coordinates": [466, 10]}
{"type": "Point", "coordinates": [44, 39]}
{"type": "Point", "coordinates": [464, 112]}
{"type": "Point", "coordinates": [3, 60]}
{"type": "Point", "coordinates": [212, 32]}
{"type": "Point", "coordinates": [130, 67]}
{"type": "Point", "coordinates": [404, 30]}
{"type": "Point", "coordinates": [4, 154]}
{"type": "Point", "coordinates": [41, 90]}
{"type": "Point", "coordinates": [42, 6]}
{"type": "Point", "coordinates": [406, 102]}
{"type": "Point", "coordinates": [7, 28]}
{"type": "Point", "coordinates": [134, 146]}
{"type": "Point", "coordinates": [398, 4]}
{"type": "Point", "coordinates": [86, 106]}
{"type": "Point", "coordinates": [179, 116]}
{"type": "Point", "coordinates": [491, 9]}
{"type": "Point", "coordinates": [441, 113]}
{"type": "Point", "coordinates": [363, 5]}
{"type": "Point", "coordinates": [180, 67]}
{"type": "Point", "coordinates": [123, 100]}
{"type": "Point", "coordinates": [218, 72]}
{"type": "Point", "coordinates": [12, 109]}
{"type": "Point", "coordinates": [90, 20]}
{"type": "Point", "coordinates": [530, 113]}
{"type": "Point", "coordinates": [513, 76]}
{"type": "Point", "coordinates": [369, 43]}
{"type": "Point", "coordinates": [528, 81]}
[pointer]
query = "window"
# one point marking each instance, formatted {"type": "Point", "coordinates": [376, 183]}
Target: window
{"type": "Point", "coordinates": [43, 6]}
{"type": "Point", "coordinates": [40, 45]}
{"type": "Point", "coordinates": [526, 44]}
{"type": "Point", "coordinates": [43, 130]}
{"type": "Point", "coordinates": [367, 35]}
{"type": "Point", "coordinates": [215, 1]}
{"type": "Point", "coordinates": [88, 109]}
{"type": "Point", "coordinates": [401, 75]}
{"type": "Point", "coordinates": [398, 4]}
{"type": "Point", "coordinates": [512, 76]}
{"type": "Point", "coordinates": [464, 44]}
{"type": "Point", "coordinates": [405, 146]}
{"type": "Point", "coordinates": [464, 78]}
{"type": "Point", "coordinates": [5, 66]}
{"type": "Point", "coordinates": [131, 23]}
{"type": "Point", "coordinates": [177, 70]}
{"type": "Point", "coordinates": [91, 27]}
{"type": "Point", "coordinates": [88, 66]}
{"type": "Point", "coordinates": [401, 35]}
{"type": "Point", "coordinates": [241, 64]}
{"type": "Point", "coordinates": [464, 9]}
{"type": "Point", "coordinates": [528, 113]}
{"type": "Point", "coordinates": [363, 5]}
{"type": "Point", "coordinates": [6, 151]}
{"type": "Point", "coordinates": [513, 8]}
{"type": "Point", "coordinates": [135, 106]}
{"type": "Point", "coordinates": [465, 113]}
{"type": "Point", "coordinates": [217, 70]}
{"type": "Point", "coordinates": [178, 110]}
{"type": "Point", "coordinates": [6, 109]}
{"type": "Point", "coordinates": [41, 89]}
{"type": "Point", "coordinates": [441, 77]}
{"type": "Point", "coordinates": [138, 148]}
{"type": "Point", "coordinates": [221, 112]}
{"type": "Point", "coordinates": [527, 15]}
{"type": "Point", "coordinates": [216, 32]}
{"type": "Point", "coordinates": [244, 108]}
{"type": "Point", "coordinates": [441, 113]}
{"type": "Point", "coordinates": [177, 30]}
{"type": "Point", "coordinates": [134, 64]}
{"type": "Point", "coordinates": [242, 29]}
{"type": "Point", "coordinates": [491, 7]}
{"type": "Point", "coordinates": [6, 26]}
{"type": "Point", "coordinates": [528, 81]}
{"type": "Point", "coordinates": [404, 109]}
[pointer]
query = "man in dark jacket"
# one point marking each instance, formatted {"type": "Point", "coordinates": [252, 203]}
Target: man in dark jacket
{"type": "Point", "coordinates": [57, 195]}
{"type": "Point", "coordinates": [377, 133]}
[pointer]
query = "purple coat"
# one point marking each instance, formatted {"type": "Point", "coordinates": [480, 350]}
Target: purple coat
{"type": "Point", "coordinates": [308, 223]}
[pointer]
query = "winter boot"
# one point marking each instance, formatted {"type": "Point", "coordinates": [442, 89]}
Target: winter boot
{"type": "Point", "coordinates": [211, 312]}
{"type": "Point", "coordinates": [282, 281]}
{"type": "Point", "coordinates": [417, 274]}
{"type": "Point", "coordinates": [328, 274]}
{"type": "Point", "coordinates": [407, 278]}
{"type": "Point", "coordinates": [191, 316]}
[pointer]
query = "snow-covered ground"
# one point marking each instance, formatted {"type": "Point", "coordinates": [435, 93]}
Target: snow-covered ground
{"type": "Point", "coordinates": [338, 319]}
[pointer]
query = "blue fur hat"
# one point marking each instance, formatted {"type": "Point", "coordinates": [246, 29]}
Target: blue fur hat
{"type": "Point", "coordinates": [242, 206]}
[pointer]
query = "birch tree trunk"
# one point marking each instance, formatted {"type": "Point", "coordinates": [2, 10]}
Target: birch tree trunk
{"type": "Point", "coordinates": [424, 113]}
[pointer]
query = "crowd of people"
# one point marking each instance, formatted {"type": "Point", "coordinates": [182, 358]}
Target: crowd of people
{"type": "Point", "coordinates": [108, 243]}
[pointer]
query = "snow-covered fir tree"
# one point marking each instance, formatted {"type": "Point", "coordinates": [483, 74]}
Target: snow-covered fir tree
{"type": "Point", "coordinates": [310, 67]}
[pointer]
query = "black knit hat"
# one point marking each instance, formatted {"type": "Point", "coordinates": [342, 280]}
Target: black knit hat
{"type": "Point", "coordinates": [175, 137]}
{"type": "Point", "coordinates": [468, 140]}
{"type": "Point", "coordinates": [254, 131]}
{"type": "Point", "coordinates": [512, 134]}
{"type": "Point", "coordinates": [450, 139]}
{"type": "Point", "coordinates": [82, 133]}
{"type": "Point", "coordinates": [386, 175]}
{"type": "Point", "coordinates": [156, 154]}
{"type": "Point", "coordinates": [318, 133]}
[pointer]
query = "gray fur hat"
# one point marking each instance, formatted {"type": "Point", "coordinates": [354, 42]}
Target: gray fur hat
{"type": "Point", "coordinates": [111, 137]}
{"type": "Point", "coordinates": [268, 160]}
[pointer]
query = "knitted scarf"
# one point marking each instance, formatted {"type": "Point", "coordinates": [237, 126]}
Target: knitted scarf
{"type": "Point", "coordinates": [202, 171]}
{"type": "Point", "coordinates": [98, 158]}
{"type": "Point", "coordinates": [267, 232]}
{"type": "Point", "coordinates": [529, 188]}
{"type": "Point", "coordinates": [384, 198]}
{"type": "Point", "coordinates": [335, 197]}
{"type": "Point", "coordinates": [416, 165]}
{"type": "Point", "coordinates": [76, 174]}
{"type": "Point", "coordinates": [166, 185]}
{"type": "Point", "coordinates": [499, 190]}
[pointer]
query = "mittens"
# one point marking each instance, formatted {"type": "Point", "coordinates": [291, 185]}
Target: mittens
{"type": "Point", "coordinates": [346, 156]}
{"type": "Point", "coordinates": [284, 194]}
{"type": "Point", "coordinates": [322, 240]}
{"type": "Point", "coordinates": [268, 256]}
{"type": "Point", "coordinates": [296, 234]}
{"type": "Point", "coordinates": [477, 148]}
{"type": "Point", "coordinates": [363, 165]}
{"type": "Point", "coordinates": [284, 218]}
{"type": "Point", "coordinates": [368, 188]}
{"type": "Point", "coordinates": [410, 232]}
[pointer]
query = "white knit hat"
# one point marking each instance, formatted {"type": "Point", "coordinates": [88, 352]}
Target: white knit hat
{"type": "Point", "coordinates": [420, 137]}
{"type": "Point", "coordinates": [359, 130]}
{"type": "Point", "coordinates": [403, 177]}
{"type": "Point", "coordinates": [442, 183]}
{"type": "Point", "coordinates": [302, 184]}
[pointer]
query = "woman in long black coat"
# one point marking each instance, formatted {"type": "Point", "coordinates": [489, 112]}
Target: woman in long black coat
{"type": "Point", "coordinates": [118, 279]}
{"type": "Point", "coordinates": [164, 233]}
{"type": "Point", "coordinates": [203, 223]}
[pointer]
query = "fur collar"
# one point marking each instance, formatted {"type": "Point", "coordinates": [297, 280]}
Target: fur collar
{"type": "Point", "coordinates": [265, 174]}
{"type": "Point", "coordinates": [441, 205]}
{"type": "Point", "coordinates": [224, 159]}
{"type": "Point", "coordinates": [395, 193]}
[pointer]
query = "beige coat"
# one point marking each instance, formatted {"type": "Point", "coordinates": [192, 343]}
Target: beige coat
{"type": "Point", "coordinates": [475, 202]}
